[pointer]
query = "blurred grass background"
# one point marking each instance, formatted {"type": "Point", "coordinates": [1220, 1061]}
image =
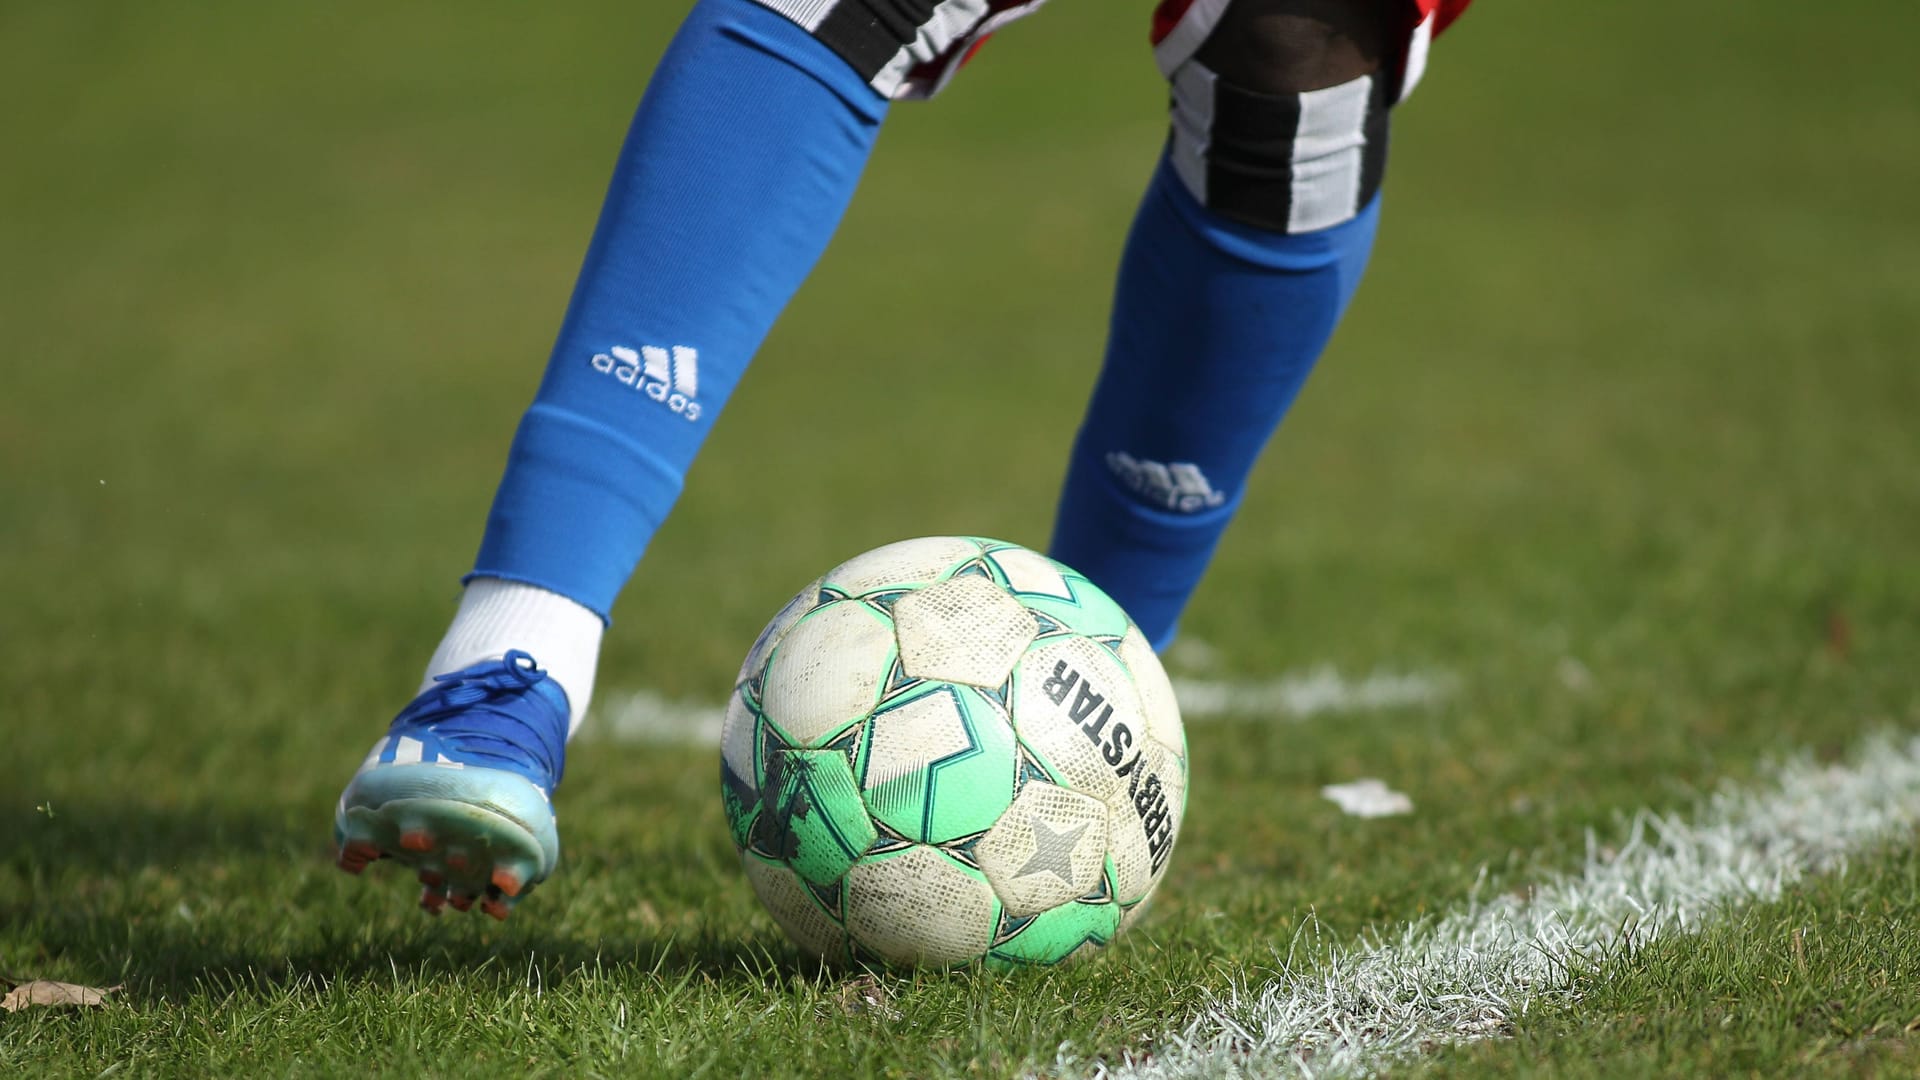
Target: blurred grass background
{"type": "Point", "coordinates": [1632, 384]}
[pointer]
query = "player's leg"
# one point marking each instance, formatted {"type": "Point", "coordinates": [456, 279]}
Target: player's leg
{"type": "Point", "coordinates": [738, 167]}
{"type": "Point", "coordinates": [1248, 246]}
{"type": "Point", "coordinates": [739, 163]}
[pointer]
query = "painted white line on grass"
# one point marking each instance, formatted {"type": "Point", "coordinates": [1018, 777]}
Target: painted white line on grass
{"type": "Point", "coordinates": [1302, 695]}
{"type": "Point", "coordinates": [644, 716]}
{"type": "Point", "coordinates": [1467, 976]}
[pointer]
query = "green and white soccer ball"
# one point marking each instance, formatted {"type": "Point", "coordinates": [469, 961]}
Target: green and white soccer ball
{"type": "Point", "coordinates": [950, 749]}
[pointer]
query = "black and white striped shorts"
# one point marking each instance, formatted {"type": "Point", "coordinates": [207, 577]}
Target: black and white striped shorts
{"type": "Point", "coordinates": [1289, 163]}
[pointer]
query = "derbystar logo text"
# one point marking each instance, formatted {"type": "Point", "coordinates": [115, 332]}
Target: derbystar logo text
{"type": "Point", "coordinates": [668, 376]}
{"type": "Point", "coordinates": [1089, 710]}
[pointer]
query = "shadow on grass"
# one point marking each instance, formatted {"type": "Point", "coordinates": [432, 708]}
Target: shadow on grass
{"type": "Point", "coordinates": [172, 964]}
{"type": "Point", "coordinates": [158, 898]}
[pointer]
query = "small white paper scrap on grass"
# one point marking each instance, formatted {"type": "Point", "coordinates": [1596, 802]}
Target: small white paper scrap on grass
{"type": "Point", "coordinates": [1368, 798]}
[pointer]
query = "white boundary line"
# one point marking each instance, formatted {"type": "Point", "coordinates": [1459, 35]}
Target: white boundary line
{"type": "Point", "coordinates": [1468, 975]}
{"type": "Point", "coordinates": [643, 716]}
{"type": "Point", "coordinates": [1306, 694]}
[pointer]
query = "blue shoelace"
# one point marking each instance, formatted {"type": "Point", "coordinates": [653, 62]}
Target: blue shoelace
{"type": "Point", "coordinates": [478, 710]}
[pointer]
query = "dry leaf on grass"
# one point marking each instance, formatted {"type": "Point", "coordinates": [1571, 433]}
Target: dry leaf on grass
{"type": "Point", "coordinates": [43, 992]}
{"type": "Point", "coordinates": [865, 994]}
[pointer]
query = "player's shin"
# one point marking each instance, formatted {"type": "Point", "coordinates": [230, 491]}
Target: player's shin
{"type": "Point", "coordinates": [738, 166]}
{"type": "Point", "coordinates": [1216, 325]}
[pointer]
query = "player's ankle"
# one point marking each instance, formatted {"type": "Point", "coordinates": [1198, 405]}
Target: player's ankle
{"type": "Point", "coordinates": [497, 615]}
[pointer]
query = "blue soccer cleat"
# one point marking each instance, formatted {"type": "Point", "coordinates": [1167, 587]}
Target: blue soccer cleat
{"type": "Point", "coordinates": [461, 787]}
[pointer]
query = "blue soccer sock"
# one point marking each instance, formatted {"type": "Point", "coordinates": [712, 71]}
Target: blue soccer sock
{"type": "Point", "coordinates": [1216, 326]}
{"type": "Point", "coordinates": [740, 162]}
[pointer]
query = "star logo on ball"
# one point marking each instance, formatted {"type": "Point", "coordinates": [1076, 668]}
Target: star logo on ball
{"type": "Point", "coordinates": [1052, 851]}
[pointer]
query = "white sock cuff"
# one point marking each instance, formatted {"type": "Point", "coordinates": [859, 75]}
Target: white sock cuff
{"type": "Point", "coordinates": [497, 616]}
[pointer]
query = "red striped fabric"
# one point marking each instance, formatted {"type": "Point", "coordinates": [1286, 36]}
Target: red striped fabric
{"type": "Point", "coordinates": [1167, 16]}
{"type": "Point", "coordinates": [1443, 11]}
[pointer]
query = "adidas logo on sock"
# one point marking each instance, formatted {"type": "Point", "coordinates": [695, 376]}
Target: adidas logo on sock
{"type": "Point", "coordinates": [670, 377]}
{"type": "Point", "coordinates": [1180, 487]}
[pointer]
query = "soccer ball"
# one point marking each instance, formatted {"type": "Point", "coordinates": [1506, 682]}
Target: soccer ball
{"type": "Point", "coordinates": [950, 749]}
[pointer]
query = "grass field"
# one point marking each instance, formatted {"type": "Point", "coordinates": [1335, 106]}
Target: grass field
{"type": "Point", "coordinates": [1619, 445]}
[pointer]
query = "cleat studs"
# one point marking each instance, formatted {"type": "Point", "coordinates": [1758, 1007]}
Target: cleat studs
{"type": "Point", "coordinates": [462, 901]}
{"type": "Point", "coordinates": [496, 908]}
{"type": "Point", "coordinates": [456, 859]}
{"type": "Point", "coordinates": [433, 880]}
{"type": "Point", "coordinates": [432, 902]}
{"type": "Point", "coordinates": [355, 855]}
{"type": "Point", "coordinates": [508, 880]}
{"type": "Point", "coordinates": [416, 840]}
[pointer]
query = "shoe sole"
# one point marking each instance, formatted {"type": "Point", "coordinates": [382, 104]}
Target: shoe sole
{"type": "Point", "coordinates": [472, 836]}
